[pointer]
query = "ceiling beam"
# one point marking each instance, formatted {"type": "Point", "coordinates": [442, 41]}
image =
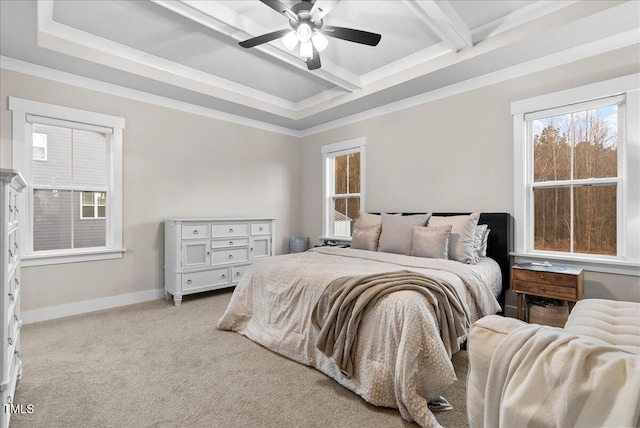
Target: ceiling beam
{"type": "Point", "coordinates": [224, 20]}
{"type": "Point", "coordinates": [443, 20]}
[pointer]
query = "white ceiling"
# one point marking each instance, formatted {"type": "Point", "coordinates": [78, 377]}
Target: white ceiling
{"type": "Point", "coordinates": [188, 51]}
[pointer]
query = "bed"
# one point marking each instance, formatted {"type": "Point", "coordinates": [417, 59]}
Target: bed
{"type": "Point", "coordinates": [399, 358]}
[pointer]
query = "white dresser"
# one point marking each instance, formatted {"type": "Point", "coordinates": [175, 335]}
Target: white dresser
{"type": "Point", "coordinates": [10, 362]}
{"type": "Point", "coordinates": [207, 254]}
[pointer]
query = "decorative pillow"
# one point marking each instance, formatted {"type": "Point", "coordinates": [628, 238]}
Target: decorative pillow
{"type": "Point", "coordinates": [432, 242]}
{"type": "Point", "coordinates": [365, 237]}
{"type": "Point", "coordinates": [397, 231]}
{"type": "Point", "coordinates": [367, 219]}
{"type": "Point", "coordinates": [480, 241]}
{"type": "Point", "coordinates": [462, 237]}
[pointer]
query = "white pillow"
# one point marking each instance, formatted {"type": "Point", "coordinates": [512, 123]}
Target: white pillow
{"type": "Point", "coordinates": [463, 233]}
{"type": "Point", "coordinates": [480, 241]}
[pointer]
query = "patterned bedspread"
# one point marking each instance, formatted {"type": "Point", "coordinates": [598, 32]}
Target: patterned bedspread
{"type": "Point", "coordinates": [400, 359]}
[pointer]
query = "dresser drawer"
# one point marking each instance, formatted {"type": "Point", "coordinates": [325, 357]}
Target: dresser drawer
{"type": "Point", "coordinates": [195, 280]}
{"type": "Point", "coordinates": [195, 230]}
{"type": "Point", "coordinates": [545, 277]}
{"type": "Point", "coordinates": [229, 243]}
{"type": "Point", "coordinates": [237, 272]}
{"type": "Point", "coordinates": [260, 228]}
{"type": "Point", "coordinates": [545, 290]}
{"type": "Point", "coordinates": [237, 255]}
{"type": "Point", "coordinates": [229, 230]}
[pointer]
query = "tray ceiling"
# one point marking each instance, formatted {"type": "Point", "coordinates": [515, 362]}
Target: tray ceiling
{"type": "Point", "coordinates": [188, 50]}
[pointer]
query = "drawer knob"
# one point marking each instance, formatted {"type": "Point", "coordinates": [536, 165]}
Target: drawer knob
{"type": "Point", "coordinates": [11, 297]}
{"type": "Point", "coordinates": [17, 354]}
{"type": "Point", "coordinates": [10, 253]}
{"type": "Point", "coordinates": [541, 288]}
{"type": "Point", "coordinates": [10, 341]}
{"type": "Point", "coordinates": [17, 282]}
{"type": "Point", "coordinates": [230, 242]}
{"type": "Point", "coordinates": [15, 207]}
{"type": "Point", "coordinates": [261, 229]}
{"type": "Point", "coordinates": [224, 276]}
{"type": "Point", "coordinates": [10, 209]}
{"type": "Point", "coordinates": [230, 230]}
{"type": "Point", "coordinates": [230, 256]}
{"type": "Point", "coordinates": [541, 276]}
{"type": "Point", "coordinates": [208, 253]}
{"type": "Point", "coordinates": [195, 232]}
{"type": "Point", "coordinates": [237, 273]}
{"type": "Point", "coordinates": [189, 281]}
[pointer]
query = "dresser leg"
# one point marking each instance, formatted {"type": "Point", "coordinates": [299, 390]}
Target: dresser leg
{"type": "Point", "coordinates": [167, 295]}
{"type": "Point", "coordinates": [520, 317]}
{"type": "Point", "coordinates": [177, 300]}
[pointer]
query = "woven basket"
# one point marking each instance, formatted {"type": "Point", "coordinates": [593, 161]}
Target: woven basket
{"type": "Point", "coordinates": [548, 312]}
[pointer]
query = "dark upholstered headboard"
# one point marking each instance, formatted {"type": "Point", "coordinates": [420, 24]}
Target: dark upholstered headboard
{"type": "Point", "coordinates": [498, 244]}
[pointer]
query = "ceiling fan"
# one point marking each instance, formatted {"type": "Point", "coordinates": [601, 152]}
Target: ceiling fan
{"type": "Point", "coordinates": [307, 27]}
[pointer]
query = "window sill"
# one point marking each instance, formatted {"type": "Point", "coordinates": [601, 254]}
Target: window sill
{"type": "Point", "coordinates": [619, 267]}
{"type": "Point", "coordinates": [53, 258]}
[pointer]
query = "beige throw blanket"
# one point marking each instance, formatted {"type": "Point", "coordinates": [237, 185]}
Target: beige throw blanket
{"type": "Point", "coordinates": [546, 377]}
{"type": "Point", "coordinates": [338, 312]}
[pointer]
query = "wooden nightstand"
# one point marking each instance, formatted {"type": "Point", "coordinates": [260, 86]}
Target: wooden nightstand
{"type": "Point", "coordinates": [554, 282]}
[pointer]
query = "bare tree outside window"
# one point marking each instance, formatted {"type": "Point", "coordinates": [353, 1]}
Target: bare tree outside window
{"type": "Point", "coordinates": [346, 195]}
{"type": "Point", "coordinates": [575, 172]}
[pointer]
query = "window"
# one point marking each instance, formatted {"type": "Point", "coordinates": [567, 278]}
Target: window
{"type": "Point", "coordinates": [72, 162]}
{"type": "Point", "coordinates": [93, 205]}
{"type": "Point", "coordinates": [576, 186]}
{"type": "Point", "coordinates": [343, 186]}
{"type": "Point", "coordinates": [39, 146]}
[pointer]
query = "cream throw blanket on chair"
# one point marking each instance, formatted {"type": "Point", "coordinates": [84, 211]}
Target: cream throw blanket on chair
{"type": "Point", "coordinates": [340, 307]}
{"type": "Point", "coordinates": [546, 377]}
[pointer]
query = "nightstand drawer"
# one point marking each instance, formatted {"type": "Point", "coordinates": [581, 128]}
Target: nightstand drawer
{"type": "Point", "coordinates": [545, 290]}
{"type": "Point", "coordinates": [545, 277]}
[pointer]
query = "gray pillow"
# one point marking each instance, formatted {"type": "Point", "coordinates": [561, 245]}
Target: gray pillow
{"type": "Point", "coordinates": [366, 237]}
{"type": "Point", "coordinates": [432, 242]}
{"type": "Point", "coordinates": [462, 237]}
{"type": "Point", "coordinates": [397, 232]}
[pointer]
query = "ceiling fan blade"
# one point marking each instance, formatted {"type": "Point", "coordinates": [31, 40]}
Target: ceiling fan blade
{"type": "Point", "coordinates": [321, 8]}
{"type": "Point", "coordinates": [264, 38]}
{"type": "Point", "coordinates": [352, 35]}
{"type": "Point", "coordinates": [279, 7]}
{"type": "Point", "coordinates": [313, 63]}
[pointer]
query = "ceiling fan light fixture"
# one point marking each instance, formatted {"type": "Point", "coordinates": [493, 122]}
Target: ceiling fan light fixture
{"type": "Point", "coordinates": [306, 50]}
{"type": "Point", "coordinates": [319, 41]}
{"type": "Point", "coordinates": [304, 32]}
{"type": "Point", "coordinates": [290, 40]}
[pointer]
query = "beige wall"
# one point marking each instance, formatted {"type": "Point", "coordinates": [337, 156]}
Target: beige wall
{"type": "Point", "coordinates": [176, 164]}
{"type": "Point", "coordinates": [456, 154]}
{"type": "Point", "coordinates": [452, 154]}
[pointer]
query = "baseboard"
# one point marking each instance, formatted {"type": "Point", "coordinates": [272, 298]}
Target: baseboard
{"type": "Point", "coordinates": [510, 311]}
{"type": "Point", "coordinates": [60, 311]}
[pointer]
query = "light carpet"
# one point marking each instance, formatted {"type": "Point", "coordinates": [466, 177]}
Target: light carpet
{"type": "Point", "coordinates": [156, 365]}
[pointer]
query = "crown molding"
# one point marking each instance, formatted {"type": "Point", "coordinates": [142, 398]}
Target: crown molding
{"type": "Point", "coordinates": [34, 70]}
{"type": "Point", "coordinates": [577, 53]}
{"type": "Point", "coordinates": [62, 38]}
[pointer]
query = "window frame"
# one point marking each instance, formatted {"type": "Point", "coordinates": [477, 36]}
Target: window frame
{"type": "Point", "coordinates": [329, 152]}
{"type": "Point", "coordinates": [627, 261]}
{"type": "Point", "coordinates": [22, 161]}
